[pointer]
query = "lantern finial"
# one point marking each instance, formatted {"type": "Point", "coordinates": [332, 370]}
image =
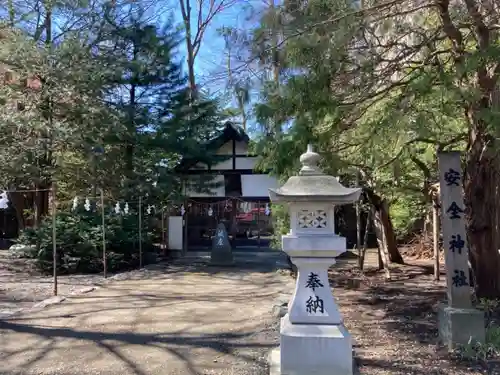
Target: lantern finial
{"type": "Point", "coordinates": [310, 160]}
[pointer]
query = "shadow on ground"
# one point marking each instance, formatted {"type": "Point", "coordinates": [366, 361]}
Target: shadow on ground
{"type": "Point", "coordinates": [182, 318]}
{"type": "Point", "coordinates": [177, 344]}
{"type": "Point", "coordinates": [394, 323]}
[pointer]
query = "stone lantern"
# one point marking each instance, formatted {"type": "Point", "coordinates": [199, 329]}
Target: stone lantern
{"type": "Point", "coordinates": [313, 337]}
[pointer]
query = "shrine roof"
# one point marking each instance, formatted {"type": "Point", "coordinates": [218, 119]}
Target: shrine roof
{"type": "Point", "coordinates": [230, 132]}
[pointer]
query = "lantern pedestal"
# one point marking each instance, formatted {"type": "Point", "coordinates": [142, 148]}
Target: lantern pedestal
{"type": "Point", "coordinates": [313, 338]}
{"type": "Point", "coordinates": [312, 301]}
{"type": "Point", "coordinates": [312, 349]}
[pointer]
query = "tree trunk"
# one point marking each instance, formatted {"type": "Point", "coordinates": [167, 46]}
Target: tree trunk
{"type": "Point", "coordinates": [383, 220]}
{"type": "Point", "coordinates": [482, 202]}
{"type": "Point", "coordinates": [185, 6]}
{"type": "Point", "coordinates": [380, 261]}
{"type": "Point", "coordinates": [393, 254]}
{"type": "Point", "coordinates": [241, 107]}
{"type": "Point", "coordinates": [380, 231]}
{"type": "Point", "coordinates": [364, 246]}
{"type": "Point", "coordinates": [41, 201]}
{"type": "Point", "coordinates": [191, 74]}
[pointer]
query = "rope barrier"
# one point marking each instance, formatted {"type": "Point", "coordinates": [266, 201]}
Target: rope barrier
{"type": "Point", "coordinates": [25, 190]}
{"type": "Point", "coordinates": [140, 202]}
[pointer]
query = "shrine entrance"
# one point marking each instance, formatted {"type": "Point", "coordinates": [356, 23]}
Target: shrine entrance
{"type": "Point", "coordinates": [248, 223]}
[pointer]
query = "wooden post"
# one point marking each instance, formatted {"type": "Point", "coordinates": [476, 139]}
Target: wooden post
{"type": "Point", "coordinates": [185, 242]}
{"type": "Point", "coordinates": [259, 203]}
{"type": "Point", "coordinates": [140, 232]}
{"type": "Point", "coordinates": [435, 236]}
{"type": "Point", "coordinates": [54, 237]}
{"type": "Point", "coordinates": [364, 245]}
{"type": "Point", "coordinates": [104, 255]}
{"type": "Point", "coordinates": [163, 245]}
{"type": "Point", "coordinates": [358, 221]}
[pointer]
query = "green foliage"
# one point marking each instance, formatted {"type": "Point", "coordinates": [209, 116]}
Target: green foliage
{"type": "Point", "coordinates": [354, 109]}
{"type": "Point", "coordinates": [160, 120]}
{"type": "Point", "coordinates": [281, 224]}
{"type": "Point", "coordinates": [477, 351]}
{"type": "Point", "coordinates": [113, 81]}
{"type": "Point", "coordinates": [49, 109]}
{"type": "Point", "coordinates": [79, 242]}
{"type": "Point", "coordinates": [405, 211]}
{"type": "Point", "coordinates": [490, 308]}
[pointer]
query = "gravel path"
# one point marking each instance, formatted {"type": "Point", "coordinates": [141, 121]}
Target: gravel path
{"type": "Point", "coordinates": [187, 318]}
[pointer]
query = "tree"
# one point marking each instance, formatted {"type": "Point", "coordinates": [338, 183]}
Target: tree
{"type": "Point", "coordinates": [238, 84]}
{"type": "Point", "coordinates": [114, 85]}
{"type": "Point", "coordinates": [200, 18]}
{"type": "Point", "coordinates": [53, 36]}
{"type": "Point", "coordinates": [150, 95]}
{"type": "Point", "coordinates": [458, 54]}
{"type": "Point", "coordinates": [400, 59]}
{"type": "Point", "coordinates": [48, 108]}
{"type": "Point", "coordinates": [304, 100]}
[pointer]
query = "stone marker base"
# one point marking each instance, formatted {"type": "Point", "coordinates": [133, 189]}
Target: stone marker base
{"type": "Point", "coordinates": [460, 326]}
{"type": "Point", "coordinates": [310, 349]}
{"type": "Point", "coordinates": [221, 259]}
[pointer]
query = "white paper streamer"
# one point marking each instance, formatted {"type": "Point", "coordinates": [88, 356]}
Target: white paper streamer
{"type": "Point", "coordinates": [75, 203]}
{"type": "Point", "coordinates": [4, 201]}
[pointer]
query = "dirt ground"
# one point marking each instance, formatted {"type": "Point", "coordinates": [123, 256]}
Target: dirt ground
{"type": "Point", "coordinates": [190, 319]}
{"type": "Point", "coordinates": [394, 324]}
{"type": "Point", "coordinates": [186, 318]}
{"type": "Point", "coordinates": [21, 288]}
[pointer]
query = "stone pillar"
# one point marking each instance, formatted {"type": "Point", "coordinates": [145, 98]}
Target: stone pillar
{"type": "Point", "coordinates": [313, 339]}
{"type": "Point", "coordinates": [222, 253]}
{"type": "Point", "coordinates": [459, 323]}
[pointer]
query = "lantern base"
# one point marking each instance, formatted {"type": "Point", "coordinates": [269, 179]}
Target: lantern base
{"type": "Point", "coordinates": [312, 349]}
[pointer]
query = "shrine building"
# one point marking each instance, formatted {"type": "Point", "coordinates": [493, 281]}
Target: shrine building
{"type": "Point", "coordinates": [238, 197]}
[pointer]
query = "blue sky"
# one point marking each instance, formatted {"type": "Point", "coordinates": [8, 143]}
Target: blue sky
{"type": "Point", "coordinates": [211, 58]}
{"type": "Point", "coordinates": [210, 64]}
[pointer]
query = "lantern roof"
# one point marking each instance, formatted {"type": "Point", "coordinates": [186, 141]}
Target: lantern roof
{"type": "Point", "coordinates": [312, 185]}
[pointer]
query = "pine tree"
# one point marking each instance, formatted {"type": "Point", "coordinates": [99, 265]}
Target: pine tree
{"type": "Point", "coordinates": [150, 95]}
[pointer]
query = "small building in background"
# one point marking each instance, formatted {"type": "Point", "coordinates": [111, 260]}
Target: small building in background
{"type": "Point", "coordinates": [229, 191]}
